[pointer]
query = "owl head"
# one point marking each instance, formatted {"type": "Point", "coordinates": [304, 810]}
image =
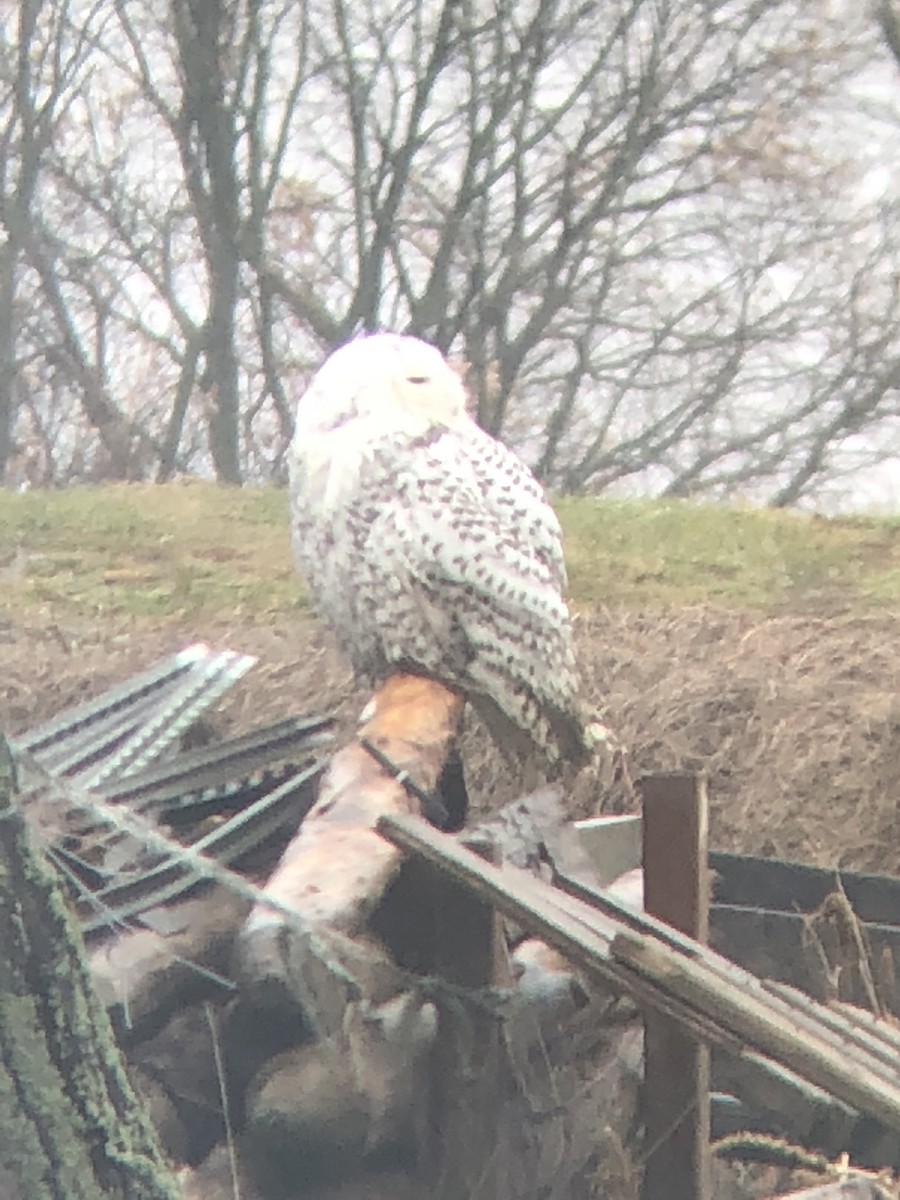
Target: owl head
{"type": "Point", "coordinates": [387, 377]}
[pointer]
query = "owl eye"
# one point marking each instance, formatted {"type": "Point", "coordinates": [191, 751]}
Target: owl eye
{"type": "Point", "coordinates": [417, 379]}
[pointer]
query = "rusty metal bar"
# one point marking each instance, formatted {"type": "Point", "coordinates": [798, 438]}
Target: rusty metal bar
{"type": "Point", "coordinates": [676, 1065]}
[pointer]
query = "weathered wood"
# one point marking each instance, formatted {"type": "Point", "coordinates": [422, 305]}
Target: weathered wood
{"type": "Point", "coordinates": [711, 996]}
{"type": "Point", "coordinates": [320, 972]}
{"type": "Point", "coordinates": [742, 1006]}
{"type": "Point", "coordinates": [877, 1035]}
{"type": "Point", "coordinates": [71, 1127]}
{"type": "Point", "coordinates": [675, 852]}
{"type": "Point", "coordinates": [676, 1072]}
{"type": "Point", "coordinates": [336, 868]}
{"type": "Point", "coordinates": [746, 1098]}
{"type": "Point", "coordinates": [843, 1189]}
{"type": "Point", "coordinates": [144, 977]}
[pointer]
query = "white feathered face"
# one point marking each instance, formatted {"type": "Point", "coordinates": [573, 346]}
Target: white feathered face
{"type": "Point", "coordinates": [386, 375]}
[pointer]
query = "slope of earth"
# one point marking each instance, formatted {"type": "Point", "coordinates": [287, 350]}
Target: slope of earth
{"type": "Point", "coordinates": [759, 646]}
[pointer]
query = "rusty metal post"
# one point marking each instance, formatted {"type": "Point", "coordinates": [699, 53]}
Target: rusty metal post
{"type": "Point", "coordinates": [676, 1067]}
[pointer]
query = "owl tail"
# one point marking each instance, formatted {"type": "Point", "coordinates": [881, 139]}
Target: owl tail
{"type": "Point", "coordinates": [555, 740]}
{"type": "Point", "coordinates": [568, 740]}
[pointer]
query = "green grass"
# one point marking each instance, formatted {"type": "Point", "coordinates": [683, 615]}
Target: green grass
{"type": "Point", "coordinates": [198, 551]}
{"type": "Point", "coordinates": [183, 550]}
{"type": "Point", "coordinates": [678, 553]}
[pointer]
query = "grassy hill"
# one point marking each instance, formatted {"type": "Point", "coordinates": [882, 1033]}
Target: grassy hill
{"type": "Point", "coordinates": [759, 646]}
{"type": "Point", "coordinates": [196, 550]}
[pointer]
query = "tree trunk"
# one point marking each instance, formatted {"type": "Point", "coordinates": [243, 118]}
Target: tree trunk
{"type": "Point", "coordinates": [222, 366]}
{"type": "Point", "coordinates": [7, 353]}
{"type": "Point", "coordinates": [208, 138]}
{"type": "Point", "coordinates": [71, 1127]}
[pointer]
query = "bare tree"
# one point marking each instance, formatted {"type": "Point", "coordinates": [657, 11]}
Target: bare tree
{"type": "Point", "coordinates": [637, 224]}
{"type": "Point", "coordinates": [602, 212]}
{"type": "Point", "coordinates": [224, 95]}
{"type": "Point", "coordinates": [39, 67]}
{"type": "Point", "coordinates": [54, 304]}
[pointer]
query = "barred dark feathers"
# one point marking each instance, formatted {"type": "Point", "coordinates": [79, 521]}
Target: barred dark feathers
{"type": "Point", "coordinates": [428, 545]}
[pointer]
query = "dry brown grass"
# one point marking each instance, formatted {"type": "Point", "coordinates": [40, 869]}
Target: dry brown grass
{"type": "Point", "coordinates": [796, 718]}
{"type": "Point", "coordinates": [758, 646]}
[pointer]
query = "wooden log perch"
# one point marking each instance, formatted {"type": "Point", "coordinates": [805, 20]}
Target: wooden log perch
{"type": "Point", "coordinates": [303, 973]}
{"type": "Point", "coordinates": [359, 1040]}
{"type": "Point", "coordinates": [337, 867]}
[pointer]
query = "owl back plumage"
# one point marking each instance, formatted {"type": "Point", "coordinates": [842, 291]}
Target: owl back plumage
{"type": "Point", "coordinates": [428, 545]}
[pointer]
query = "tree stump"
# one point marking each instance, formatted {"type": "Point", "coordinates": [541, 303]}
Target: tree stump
{"type": "Point", "coordinates": [71, 1127]}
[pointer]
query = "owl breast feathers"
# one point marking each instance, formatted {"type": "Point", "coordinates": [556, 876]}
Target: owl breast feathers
{"type": "Point", "coordinates": [428, 545]}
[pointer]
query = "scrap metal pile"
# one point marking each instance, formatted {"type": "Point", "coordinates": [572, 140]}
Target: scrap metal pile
{"type": "Point", "coordinates": [122, 754]}
{"type": "Point", "coordinates": [304, 1016]}
{"type": "Point", "coordinates": [308, 1038]}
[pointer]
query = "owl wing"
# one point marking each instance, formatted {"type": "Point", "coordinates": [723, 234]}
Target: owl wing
{"type": "Point", "coordinates": [469, 532]}
{"type": "Point", "coordinates": [508, 488]}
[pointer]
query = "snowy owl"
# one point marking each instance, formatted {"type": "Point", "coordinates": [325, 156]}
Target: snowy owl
{"type": "Point", "coordinates": [429, 547]}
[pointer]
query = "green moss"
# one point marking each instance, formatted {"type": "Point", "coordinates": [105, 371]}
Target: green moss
{"type": "Point", "coordinates": [70, 1124]}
